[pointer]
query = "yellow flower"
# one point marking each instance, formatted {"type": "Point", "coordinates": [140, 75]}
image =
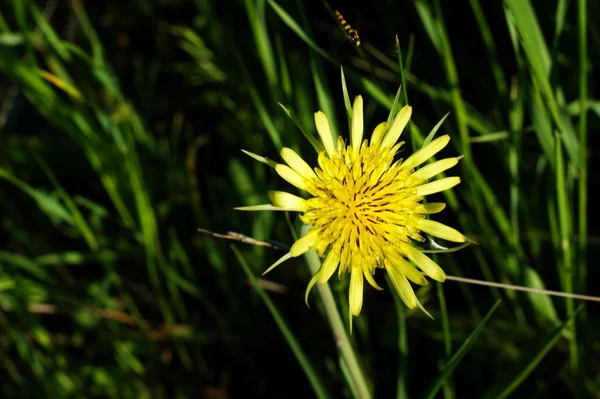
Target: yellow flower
{"type": "Point", "coordinates": [365, 206]}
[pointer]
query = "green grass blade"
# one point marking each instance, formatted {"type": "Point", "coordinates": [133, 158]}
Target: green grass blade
{"type": "Point", "coordinates": [314, 141]}
{"type": "Point", "coordinates": [583, 142]}
{"type": "Point", "coordinates": [567, 271]}
{"type": "Point", "coordinates": [403, 349]}
{"type": "Point", "coordinates": [256, 16]}
{"type": "Point", "coordinates": [543, 307]}
{"type": "Point", "coordinates": [293, 25]}
{"type": "Point", "coordinates": [503, 390]}
{"type": "Point", "coordinates": [347, 102]}
{"type": "Point", "coordinates": [47, 203]}
{"type": "Point", "coordinates": [296, 348]}
{"type": "Point", "coordinates": [538, 57]}
{"type": "Point", "coordinates": [78, 218]}
{"type": "Point", "coordinates": [460, 353]}
{"type": "Point", "coordinates": [490, 44]}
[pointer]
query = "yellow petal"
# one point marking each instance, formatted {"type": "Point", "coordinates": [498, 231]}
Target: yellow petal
{"type": "Point", "coordinates": [311, 284]}
{"type": "Point", "coordinates": [440, 230]}
{"type": "Point", "coordinates": [297, 163]}
{"type": "Point", "coordinates": [402, 286]}
{"type": "Point", "coordinates": [304, 243]}
{"type": "Point", "coordinates": [410, 271]}
{"type": "Point", "coordinates": [329, 265]}
{"type": "Point", "coordinates": [398, 125]}
{"type": "Point", "coordinates": [427, 152]}
{"type": "Point", "coordinates": [433, 169]}
{"type": "Point", "coordinates": [369, 277]}
{"type": "Point", "coordinates": [424, 263]}
{"type": "Point", "coordinates": [357, 124]}
{"type": "Point", "coordinates": [437, 186]}
{"type": "Point", "coordinates": [291, 176]}
{"type": "Point", "coordinates": [322, 124]}
{"type": "Point", "coordinates": [287, 201]}
{"type": "Point", "coordinates": [429, 208]}
{"type": "Point", "coordinates": [378, 133]}
{"type": "Point", "coordinates": [356, 291]}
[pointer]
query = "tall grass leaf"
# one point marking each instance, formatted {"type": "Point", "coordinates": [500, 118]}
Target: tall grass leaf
{"type": "Point", "coordinates": [538, 57]}
{"type": "Point", "coordinates": [402, 73]}
{"type": "Point", "coordinates": [78, 218]}
{"type": "Point", "coordinates": [403, 350]}
{"type": "Point", "coordinates": [284, 70]}
{"type": "Point", "coordinates": [265, 117]}
{"type": "Point", "coordinates": [505, 388]}
{"type": "Point", "coordinates": [490, 44]}
{"type": "Point", "coordinates": [25, 263]}
{"type": "Point", "coordinates": [256, 16]}
{"type": "Point", "coordinates": [76, 258]}
{"type": "Point", "coordinates": [396, 105]}
{"type": "Point", "coordinates": [324, 96]}
{"type": "Point", "coordinates": [433, 131]}
{"type": "Point", "coordinates": [348, 377]}
{"type": "Point", "coordinates": [89, 32]}
{"type": "Point", "coordinates": [347, 102]}
{"type": "Point", "coordinates": [48, 204]}
{"type": "Point", "coordinates": [315, 142]}
{"type": "Point", "coordinates": [50, 35]}
{"type": "Point", "coordinates": [491, 137]}
{"type": "Point", "coordinates": [543, 307]}
{"type": "Point", "coordinates": [293, 25]}
{"type": "Point", "coordinates": [542, 125]}
{"type": "Point", "coordinates": [559, 22]}
{"type": "Point", "coordinates": [313, 378]}
{"type": "Point", "coordinates": [567, 270]}
{"type": "Point", "coordinates": [11, 39]}
{"type": "Point", "coordinates": [459, 354]}
{"type": "Point", "coordinates": [428, 21]}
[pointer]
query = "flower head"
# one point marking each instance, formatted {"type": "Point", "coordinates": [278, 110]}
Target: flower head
{"type": "Point", "coordinates": [365, 206]}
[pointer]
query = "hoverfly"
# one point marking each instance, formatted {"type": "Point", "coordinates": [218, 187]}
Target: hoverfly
{"type": "Point", "coordinates": [351, 33]}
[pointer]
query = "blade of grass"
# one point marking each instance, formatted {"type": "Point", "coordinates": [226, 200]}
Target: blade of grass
{"type": "Point", "coordinates": [314, 141]}
{"type": "Point", "coordinates": [256, 16]}
{"type": "Point", "coordinates": [401, 379]}
{"type": "Point", "coordinates": [313, 378]}
{"type": "Point", "coordinates": [543, 307]}
{"type": "Point", "coordinates": [583, 139]}
{"type": "Point", "coordinates": [46, 202]}
{"type": "Point", "coordinates": [460, 353]}
{"type": "Point", "coordinates": [78, 218]}
{"type": "Point", "coordinates": [567, 271]}
{"type": "Point", "coordinates": [503, 390]}
{"type": "Point", "coordinates": [538, 57]}
{"type": "Point", "coordinates": [448, 386]}
{"type": "Point", "coordinates": [293, 25]}
{"type": "Point", "coordinates": [490, 45]}
{"type": "Point", "coordinates": [454, 84]}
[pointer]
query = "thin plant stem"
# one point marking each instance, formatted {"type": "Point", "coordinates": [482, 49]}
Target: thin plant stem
{"type": "Point", "coordinates": [337, 326]}
{"type": "Point", "coordinates": [583, 169]}
{"type": "Point", "coordinates": [283, 247]}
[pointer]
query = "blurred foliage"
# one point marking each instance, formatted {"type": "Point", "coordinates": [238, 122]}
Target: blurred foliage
{"type": "Point", "coordinates": [121, 125]}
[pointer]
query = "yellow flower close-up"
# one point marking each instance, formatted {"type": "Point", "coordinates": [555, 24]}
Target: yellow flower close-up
{"type": "Point", "coordinates": [364, 206]}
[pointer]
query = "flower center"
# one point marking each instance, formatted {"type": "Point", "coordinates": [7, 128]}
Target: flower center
{"type": "Point", "coordinates": [361, 194]}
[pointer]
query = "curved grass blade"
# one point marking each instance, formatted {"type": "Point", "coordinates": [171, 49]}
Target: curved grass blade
{"type": "Point", "coordinates": [289, 336]}
{"type": "Point", "coordinates": [315, 142]}
{"type": "Point", "coordinates": [503, 390]}
{"type": "Point", "coordinates": [460, 353]}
